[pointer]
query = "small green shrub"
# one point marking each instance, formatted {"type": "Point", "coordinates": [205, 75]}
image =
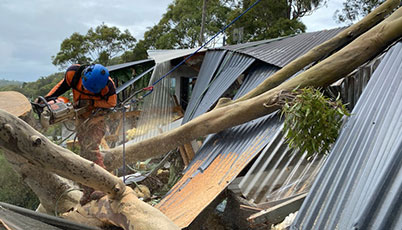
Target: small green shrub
{"type": "Point", "coordinates": [312, 121]}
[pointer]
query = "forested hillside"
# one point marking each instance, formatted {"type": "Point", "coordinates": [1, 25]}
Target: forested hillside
{"type": "Point", "coordinates": [4, 82]}
{"type": "Point", "coordinates": [33, 89]}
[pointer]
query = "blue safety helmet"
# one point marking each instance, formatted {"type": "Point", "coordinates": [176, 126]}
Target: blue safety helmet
{"type": "Point", "coordinates": [95, 77]}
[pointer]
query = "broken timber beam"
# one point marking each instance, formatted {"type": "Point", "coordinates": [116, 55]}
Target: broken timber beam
{"type": "Point", "coordinates": [276, 214]}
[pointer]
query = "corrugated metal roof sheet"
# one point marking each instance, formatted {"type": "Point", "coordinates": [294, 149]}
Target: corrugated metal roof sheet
{"type": "Point", "coordinates": [256, 76]}
{"type": "Point", "coordinates": [233, 65]}
{"type": "Point", "coordinates": [18, 218]}
{"type": "Point", "coordinates": [278, 172]}
{"type": "Point", "coordinates": [359, 187]}
{"type": "Point", "coordinates": [133, 80]}
{"type": "Point", "coordinates": [157, 109]}
{"type": "Point", "coordinates": [280, 52]}
{"type": "Point", "coordinates": [218, 162]}
{"type": "Point", "coordinates": [128, 64]}
{"type": "Point", "coordinates": [211, 62]}
{"type": "Point", "coordinates": [161, 56]}
{"type": "Point", "coordinates": [351, 87]}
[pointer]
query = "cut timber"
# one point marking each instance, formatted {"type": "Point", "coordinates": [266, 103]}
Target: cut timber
{"type": "Point", "coordinates": [15, 103]}
{"type": "Point", "coordinates": [333, 68]}
{"type": "Point", "coordinates": [189, 151]}
{"type": "Point", "coordinates": [277, 213]}
{"type": "Point", "coordinates": [183, 155]}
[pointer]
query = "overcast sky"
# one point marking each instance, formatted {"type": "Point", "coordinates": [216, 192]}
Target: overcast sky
{"type": "Point", "coordinates": [32, 30]}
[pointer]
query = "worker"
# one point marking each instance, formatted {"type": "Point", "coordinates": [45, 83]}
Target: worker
{"type": "Point", "coordinates": [92, 88]}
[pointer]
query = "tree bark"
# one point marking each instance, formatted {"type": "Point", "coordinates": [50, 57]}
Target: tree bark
{"type": "Point", "coordinates": [19, 138]}
{"type": "Point", "coordinates": [129, 213]}
{"type": "Point", "coordinates": [52, 190]}
{"type": "Point", "coordinates": [333, 68]}
{"type": "Point", "coordinates": [22, 143]}
{"type": "Point", "coordinates": [49, 188]}
{"type": "Point", "coordinates": [323, 50]}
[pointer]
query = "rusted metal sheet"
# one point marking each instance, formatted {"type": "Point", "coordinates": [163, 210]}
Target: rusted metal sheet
{"type": "Point", "coordinates": [217, 163]}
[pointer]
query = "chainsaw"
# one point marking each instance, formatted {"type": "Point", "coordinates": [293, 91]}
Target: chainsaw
{"type": "Point", "coordinates": [55, 110]}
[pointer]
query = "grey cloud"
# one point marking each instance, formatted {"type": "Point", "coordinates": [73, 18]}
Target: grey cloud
{"type": "Point", "coordinates": [32, 31]}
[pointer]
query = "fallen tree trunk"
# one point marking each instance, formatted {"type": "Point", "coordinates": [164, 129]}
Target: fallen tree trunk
{"type": "Point", "coordinates": [335, 67]}
{"type": "Point", "coordinates": [39, 180]}
{"type": "Point", "coordinates": [17, 137]}
{"type": "Point", "coordinates": [323, 50]}
{"type": "Point", "coordinates": [23, 143]}
{"type": "Point", "coordinates": [56, 194]}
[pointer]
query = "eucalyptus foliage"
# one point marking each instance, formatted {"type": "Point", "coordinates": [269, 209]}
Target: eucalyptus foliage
{"type": "Point", "coordinates": [353, 10]}
{"type": "Point", "coordinates": [312, 121]}
{"type": "Point", "coordinates": [100, 45]}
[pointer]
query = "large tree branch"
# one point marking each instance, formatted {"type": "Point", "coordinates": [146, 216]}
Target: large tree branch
{"type": "Point", "coordinates": [19, 138]}
{"type": "Point", "coordinates": [48, 187]}
{"type": "Point", "coordinates": [27, 149]}
{"type": "Point", "coordinates": [335, 67]}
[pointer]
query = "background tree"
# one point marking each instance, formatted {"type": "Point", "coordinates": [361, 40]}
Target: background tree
{"type": "Point", "coordinates": [37, 88]}
{"type": "Point", "coordinates": [352, 10]}
{"type": "Point", "coordinates": [181, 24]}
{"type": "Point", "coordinates": [270, 18]}
{"type": "Point", "coordinates": [180, 27]}
{"type": "Point", "coordinates": [99, 45]}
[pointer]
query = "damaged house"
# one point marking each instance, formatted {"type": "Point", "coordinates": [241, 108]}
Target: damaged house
{"type": "Point", "coordinates": [248, 171]}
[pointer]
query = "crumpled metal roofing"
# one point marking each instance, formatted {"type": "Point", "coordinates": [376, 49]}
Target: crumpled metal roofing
{"type": "Point", "coordinates": [225, 154]}
{"type": "Point", "coordinates": [280, 52]}
{"type": "Point", "coordinates": [157, 114]}
{"type": "Point", "coordinates": [359, 187]}
{"type": "Point", "coordinates": [351, 87]}
{"type": "Point", "coordinates": [232, 66]}
{"type": "Point", "coordinates": [218, 162]}
{"type": "Point", "coordinates": [256, 76]}
{"type": "Point", "coordinates": [211, 62]}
